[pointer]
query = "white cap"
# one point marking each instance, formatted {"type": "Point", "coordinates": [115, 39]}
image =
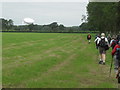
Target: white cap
{"type": "Point", "coordinates": [102, 34]}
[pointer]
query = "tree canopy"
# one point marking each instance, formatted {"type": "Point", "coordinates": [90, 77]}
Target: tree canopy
{"type": "Point", "coordinates": [104, 16]}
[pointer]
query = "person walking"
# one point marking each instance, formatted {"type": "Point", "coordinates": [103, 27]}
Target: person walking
{"type": "Point", "coordinates": [103, 45]}
{"type": "Point", "coordinates": [96, 39]}
{"type": "Point", "coordinates": [89, 38]}
{"type": "Point", "coordinates": [113, 42]}
{"type": "Point", "coordinates": [116, 57]}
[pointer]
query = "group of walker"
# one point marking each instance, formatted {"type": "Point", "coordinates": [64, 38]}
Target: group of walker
{"type": "Point", "coordinates": [103, 44]}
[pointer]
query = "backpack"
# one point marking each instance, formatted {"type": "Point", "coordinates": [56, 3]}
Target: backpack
{"type": "Point", "coordinates": [89, 36]}
{"type": "Point", "coordinates": [118, 53]}
{"type": "Point", "coordinates": [102, 42]}
{"type": "Point", "coordinates": [114, 42]}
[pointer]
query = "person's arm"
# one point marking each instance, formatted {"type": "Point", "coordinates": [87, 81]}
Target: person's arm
{"type": "Point", "coordinates": [111, 43]}
{"type": "Point", "coordinates": [96, 39]}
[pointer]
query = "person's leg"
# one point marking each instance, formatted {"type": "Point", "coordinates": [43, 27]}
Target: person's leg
{"type": "Point", "coordinates": [116, 64]}
{"type": "Point", "coordinates": [103, 57]}
{"type": "Point", "coordinates": [118, 70]}
{"type": "Point", "coordinates": [89, 41]}
{"type": "Point", "coordinates": [100, 55]}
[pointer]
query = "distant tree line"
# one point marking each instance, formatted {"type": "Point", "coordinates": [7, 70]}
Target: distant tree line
{"type": "Point", "coordinates": [8, 26]}
{"type": "Point", "coordinates": [104, 16]}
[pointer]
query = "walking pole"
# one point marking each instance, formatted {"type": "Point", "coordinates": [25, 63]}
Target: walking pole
{"type": "Point", "coordinates": [111, 66]}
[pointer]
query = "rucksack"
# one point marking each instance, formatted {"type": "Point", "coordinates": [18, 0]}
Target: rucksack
{"type": "Point", "coordinates": [114, 42]}
{"type": "Point", "coordinates": [102, 42]}
{"type": "Point", "coordinates": [118, 53]}
{"type": "Point", "coordinates": [89, 36]}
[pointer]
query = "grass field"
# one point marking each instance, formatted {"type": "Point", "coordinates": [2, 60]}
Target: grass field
{"type": "Point", "coordinates": [53, 60]}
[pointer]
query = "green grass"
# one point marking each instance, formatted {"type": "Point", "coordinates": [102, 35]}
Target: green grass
{"type": "Point", "coordinates": [53, 60]}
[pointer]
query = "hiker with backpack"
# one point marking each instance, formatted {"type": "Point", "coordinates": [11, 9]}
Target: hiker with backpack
{"type": "Point", "coordinates": [103, 46]}
{"type": "Point", "coordinates": [113, 42]}
{"type": "Point", "coordinates": [96, 39]}
{"type": "Point", "coordinates": [116, 57]}
{"type": "Point", "coordinates": [89, 38]}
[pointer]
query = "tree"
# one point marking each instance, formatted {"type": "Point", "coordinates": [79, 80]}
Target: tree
{"type": "Point", "coordinates": [9, 24]}
{"type": "Point", "coordinates": [53, 25]}
{"type": "Point", "coordinates": [61, 27]}
{"type": "Point", "coordinates": [84, 18]}
{"type": "Point", "coordinates": [103, 16]}
{"type": "Point", "coordinates": [31, 27]}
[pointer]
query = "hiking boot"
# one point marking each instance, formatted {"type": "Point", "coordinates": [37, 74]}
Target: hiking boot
{"type": "Point", "coordinates": [100, 62]}
{"type": "Point", "coordinates": [103, 63]}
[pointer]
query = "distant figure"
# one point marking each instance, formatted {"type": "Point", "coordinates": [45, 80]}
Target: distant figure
{"type": "Point", "coordinates": [109, 38]}
{"type": "Point", "coordinates": [96, 39]}
{"type": "Point", "coordinates": [116, 57]}
{"type": "Point", "coordinates": [113, 42]}
{"type": "Point", "coordinates": [103, 46]}
{"type": "Point", "coordinates": [89, 38]}
{"type": "Point", "coordinates": [118, 38]}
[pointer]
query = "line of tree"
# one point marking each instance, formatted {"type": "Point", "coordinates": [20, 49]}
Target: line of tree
{"type": "Point", "coordinates": [8, 26]}
{"type": "Point", "coordinates": [104, 16]}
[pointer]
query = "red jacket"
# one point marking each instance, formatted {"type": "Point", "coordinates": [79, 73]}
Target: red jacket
{"type": "Point", "coordinates": [114, 50]}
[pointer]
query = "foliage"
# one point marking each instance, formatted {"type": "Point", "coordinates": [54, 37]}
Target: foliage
{"type": "Point", "coordinates": [6, 24]}
{"type": "Point", "coordinates": [103, 16]}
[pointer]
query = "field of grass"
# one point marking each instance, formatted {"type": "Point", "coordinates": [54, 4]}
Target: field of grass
{"type": "Point", "coordinates": [53, 60]}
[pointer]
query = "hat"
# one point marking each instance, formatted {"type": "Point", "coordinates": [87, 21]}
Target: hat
{"type": "Point", "coordinates": [102, 34]}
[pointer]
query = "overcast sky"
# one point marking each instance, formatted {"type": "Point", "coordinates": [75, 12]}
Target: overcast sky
{"type": "Point", "coordinates": [66, 13]}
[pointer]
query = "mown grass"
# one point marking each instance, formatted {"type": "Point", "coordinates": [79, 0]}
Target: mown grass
{"type": "Point", "coordinates": [53, 60]}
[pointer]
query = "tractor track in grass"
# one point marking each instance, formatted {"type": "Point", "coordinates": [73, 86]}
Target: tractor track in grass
{"type": "Point", "coordinates": [19, 60]}
{"type": "Point", "coordinates": [50, 50]}
{"type": "Point", "coordinates": [55, 68]}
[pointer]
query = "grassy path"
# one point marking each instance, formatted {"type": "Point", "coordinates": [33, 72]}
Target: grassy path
{"type": "Point", "coordinates": [43, 60]}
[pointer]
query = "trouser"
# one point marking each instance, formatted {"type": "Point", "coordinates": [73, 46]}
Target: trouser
{"type": "Point", "coordinates": [102, 54]}
{"type": "Point", "coordinates": [116, 63]}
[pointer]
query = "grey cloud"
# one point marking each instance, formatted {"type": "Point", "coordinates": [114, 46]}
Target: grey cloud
{"type": "Point", "coordinates": [66, 12]}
